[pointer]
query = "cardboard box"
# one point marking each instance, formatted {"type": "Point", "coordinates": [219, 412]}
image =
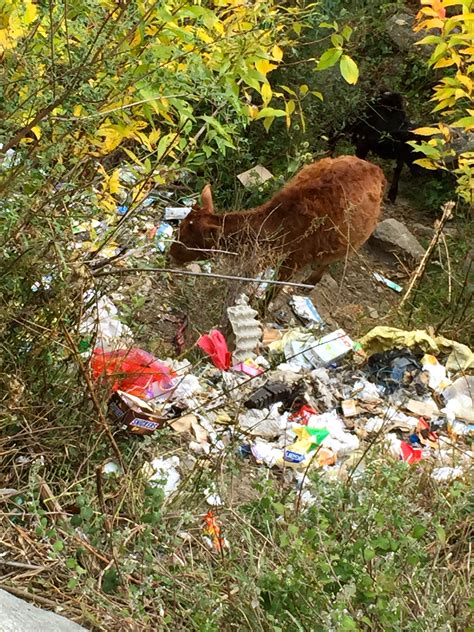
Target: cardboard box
{"type": "Point", "coordinates": [332, 347]}
{"type": "Point", "coordinates": [136, 414]}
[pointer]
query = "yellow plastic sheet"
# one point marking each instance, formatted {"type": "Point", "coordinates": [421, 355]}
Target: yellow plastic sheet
{"type": "Point", "coordinates": [461, 358]}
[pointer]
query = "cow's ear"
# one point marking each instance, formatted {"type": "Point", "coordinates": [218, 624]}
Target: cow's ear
{"type": "Point", "coordinates": [207, 205]}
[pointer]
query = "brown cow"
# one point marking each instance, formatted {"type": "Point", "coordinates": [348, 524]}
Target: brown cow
{"type": "Point", "coordinates": [325, 212]}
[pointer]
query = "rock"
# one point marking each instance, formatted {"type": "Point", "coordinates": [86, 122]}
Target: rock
{"type": "Point", "coordinates": [394, 237]}
{"type": "Point", "coordinates": [373, 313]}
{"type": "Point", "coordinates": [17, 615]}
{"type": "Point", "coordinates": [461, 142]}
{"type": "Point", "coordinates": [194, 267]}
{"type": "Point", "coordinates": [400, 31]}
{"type": "Point", "coordinates": [328, 284]}
{"type": "Point", "coordinates": [423, 231]}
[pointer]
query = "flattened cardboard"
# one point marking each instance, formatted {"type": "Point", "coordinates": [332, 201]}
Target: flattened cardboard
{"type": "Point", "coordinates": [254, 176]}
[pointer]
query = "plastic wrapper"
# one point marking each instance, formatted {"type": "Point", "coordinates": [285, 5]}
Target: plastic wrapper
{"type": "Point", "coordinates": [134, 371]}
{"type": "Point", "coordinates": [215, 345]}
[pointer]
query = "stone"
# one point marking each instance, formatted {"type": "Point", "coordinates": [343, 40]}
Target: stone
{"type": "Point", "coordinates": [394, 237]}
{"type": "Point", "coordinates": [17, 615]}
{"type": "Point", "coordinates": [328, 283]}
{"type": "Point", "coordinates": [423, 231]}
{"type": "Point", "coordinates": [400, 31]}
{"type": "Point", "coordinates": [194, 267]}
{"type": "Point", "coordinates": [461, 142]}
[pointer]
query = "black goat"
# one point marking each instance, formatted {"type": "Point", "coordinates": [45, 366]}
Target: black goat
{"type": "Point", "coordinates": [384, 130]}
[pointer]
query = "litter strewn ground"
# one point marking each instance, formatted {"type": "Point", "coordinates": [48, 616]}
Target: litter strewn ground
{"type": "Point", "coordinates": [303, 400]}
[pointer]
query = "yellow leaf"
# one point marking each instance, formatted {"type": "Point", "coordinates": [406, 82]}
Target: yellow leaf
{"type": "Point", "coordinates": [252, 110]}
{"type": "Point", "coordinates": [131, 155]}
{"type": "Point", "coordinates": [264, 66]}
{"type": "Point", "coordinates": [219, 27]}
{"type": "Point", "coordinates": [303, 89]}
{"type": "Point", "coordinates": [267, 123]}
{"type": "Point", "coordinates": [466, 81]}
{"type": "Point", "coordinates": [349, 69]}
{"type": "Point", "coordinates": [444, 63]}
{"type": "Point", "coordinates": [266, 93]}
{"type": "Point", "coordinates": [77, 111]}
{"type": "Point", "coordinates": [154, 136]}
{"type": "Point", "coordinates": [114, 185]}
{"type": "Point", "coordinates": [290, 107]}
{"type": "Point", "coordinates": [460, 94]}
{"type": "Point", "coordinates": [30, 12]}
{"type": "Point", "coordinates": [427, 164]}
{"type": "Point", "coordinates": [137, 38]}
{"type": "Point", "coordinates": [277, 53]}
{"type": "Point", "coordinates": [36, 131]}
{"type": "Point", "coordinates": [426, 131]}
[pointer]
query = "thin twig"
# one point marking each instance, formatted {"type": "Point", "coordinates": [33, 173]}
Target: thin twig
{"type": "Point", "coordinates": [32, 567]}
{"type": "Point", "coordinates": [447, 214]}
{"type": "Point", "coordinates": [203, 274]}
{"type": "Point", "coordinates": [448, 264]}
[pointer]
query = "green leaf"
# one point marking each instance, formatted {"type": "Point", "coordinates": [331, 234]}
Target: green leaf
{"type": "Point", "coordinates": [418, 531]}
{"type": "Point", "coordinates": [369, 553]}
{"type": "Point", "coordinates": [110, 581]}
{"type": "Point", "coordinates": [441, 534]}
{"type": "Point", "coordinates": [349, 69]}
{"type": "Point", "coordinates": [266, 112]}
{"type": "Point", "coordinates": [71, 563]}
{"type": "Point", "coordinates": [348, 623]}
{"type": "Point", "coordinates": [466, 121]}
{"type": "Point", "coordinates": [292, 529]}
{"type": "Point", "coordinates": [346, 32]}
{"type": "Point", "coordinates": [284, 540]}
{"type": "Point", "coordinates": [329, 58]}
{"type": "Point", "coordinates": [58, 546]}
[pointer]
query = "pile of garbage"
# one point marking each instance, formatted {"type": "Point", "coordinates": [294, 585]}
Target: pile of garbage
{"type": "Point", "coordinates": [295, 399]}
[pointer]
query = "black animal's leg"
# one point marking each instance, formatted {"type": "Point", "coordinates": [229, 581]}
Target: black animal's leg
{"type": "Point", "coordinates": [362, 150]}
{"type": "Point", "coordinates": [392, 194]}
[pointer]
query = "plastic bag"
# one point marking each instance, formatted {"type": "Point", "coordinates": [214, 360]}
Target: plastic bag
{"type": "Point", "coordinates": [215, 345]}
{"type": "Point", "coordinates": [136, 372]}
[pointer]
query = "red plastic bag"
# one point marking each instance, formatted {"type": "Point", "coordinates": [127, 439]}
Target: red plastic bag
{"type": "Point", "coordinates": [136, 372]}
{"type": "Point", "coordinates": [409, 454]}
{"type": "Point", "coordinates": [215, 345]}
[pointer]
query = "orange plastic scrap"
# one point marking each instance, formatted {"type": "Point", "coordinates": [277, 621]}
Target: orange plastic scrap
{"type": "Point", "coordinates": [213, 530]}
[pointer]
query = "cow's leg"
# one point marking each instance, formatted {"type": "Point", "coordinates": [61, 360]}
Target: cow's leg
{"type": "Point", "coordinates": [392, 194]}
